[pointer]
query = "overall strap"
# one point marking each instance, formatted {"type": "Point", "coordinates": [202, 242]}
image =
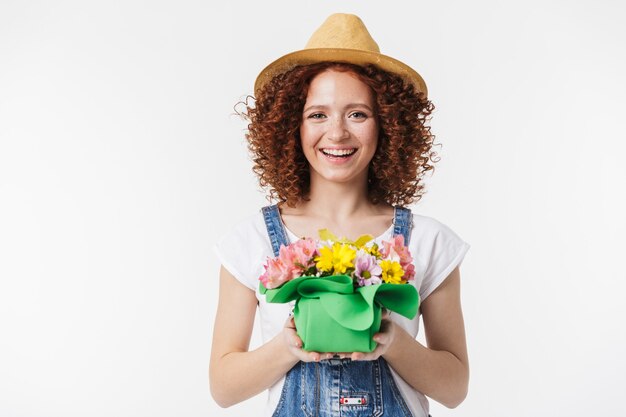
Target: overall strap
{"type": "Point", "coordinates": [275, 229]}
{"type": "Point", "coordinates": [402, 223]}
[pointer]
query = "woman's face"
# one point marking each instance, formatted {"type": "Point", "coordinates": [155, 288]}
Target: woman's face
{"type": "Point", "coordinates": [339, 130]}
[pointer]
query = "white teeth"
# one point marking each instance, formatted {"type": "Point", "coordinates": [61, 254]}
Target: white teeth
{"type": "Point", "coordinates": [338, 152]}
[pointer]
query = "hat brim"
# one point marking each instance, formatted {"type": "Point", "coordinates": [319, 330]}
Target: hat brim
{"type": "Point", "coordinates": [353, 56]}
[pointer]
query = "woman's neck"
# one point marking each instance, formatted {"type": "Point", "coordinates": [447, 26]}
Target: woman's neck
{"type": "Point", "coordinates": [336, 201]}
{"type": "Point", "coordinates": [343, 208]}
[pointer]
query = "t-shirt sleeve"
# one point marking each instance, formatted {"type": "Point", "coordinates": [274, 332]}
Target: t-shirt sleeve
{"type": "Point", "coordinates": [228, 259]}
{"type": "Point", "coordinates": [447, 252]}
{"type": "Point", "coordinates": [241, 252]}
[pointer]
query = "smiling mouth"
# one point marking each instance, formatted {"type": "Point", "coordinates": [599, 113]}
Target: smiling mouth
{"type": "Point", "coordinates": [339, 153]}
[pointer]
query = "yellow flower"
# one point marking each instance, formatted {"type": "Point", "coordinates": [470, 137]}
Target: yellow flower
{"type": "Point", "coordinates": [336, 259]}
{"type": "Point", "coordinates": [373, 250]}
{"type": "Point", "coordinates": [392, 272]}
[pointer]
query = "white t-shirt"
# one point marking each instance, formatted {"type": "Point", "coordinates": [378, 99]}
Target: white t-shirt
{"type": "Point", "coordinates": [435, 248]}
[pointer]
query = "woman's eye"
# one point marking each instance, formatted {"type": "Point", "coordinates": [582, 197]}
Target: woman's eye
{"type": "Point", "coordinates": [316, 116]}
{"type": "Point", "coordinates": [359, 115]}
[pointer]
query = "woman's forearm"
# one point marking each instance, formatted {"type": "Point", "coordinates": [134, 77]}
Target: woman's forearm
{"type": "Point", "coordinates": [438, 374]}
{"type": "Point", "coordinates": [237, 376]}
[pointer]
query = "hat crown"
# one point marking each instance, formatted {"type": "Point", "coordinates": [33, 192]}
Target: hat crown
{"type": "Point", "coordinates": [341, 38]}
{"type": "Point", "coordinates": [343, 31]}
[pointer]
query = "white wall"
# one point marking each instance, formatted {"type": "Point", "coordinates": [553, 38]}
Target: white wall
{"type": "Point", "coordinates": [120, 165]}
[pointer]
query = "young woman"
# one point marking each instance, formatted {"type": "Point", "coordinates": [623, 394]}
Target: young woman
{"type": "Point", "coordinates": [338, 135]}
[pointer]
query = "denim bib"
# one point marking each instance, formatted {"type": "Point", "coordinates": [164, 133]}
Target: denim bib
{"type": "Point", "coordinates": [339, 387]}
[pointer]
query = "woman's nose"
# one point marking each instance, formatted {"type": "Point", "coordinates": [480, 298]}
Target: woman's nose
{"type": "Point", "coordinates": [337, 130]}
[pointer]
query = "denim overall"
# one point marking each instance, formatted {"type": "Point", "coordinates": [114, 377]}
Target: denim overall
{"type": "Point", "coordinates": [338, 387]}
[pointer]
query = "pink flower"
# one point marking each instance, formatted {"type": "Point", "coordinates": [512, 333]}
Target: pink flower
{"type": "Point", "coordinates": [304, 251]}
{"type": "Point", "coordinates": [395, 249]}
{"type": "Point", "coordinates": [292, 261]}
{"type": "Point", "coordinates": [367, 269]}
{"type": "Point", "coordinates": [276, 273]}
{"type": "Point", "coordinates": [409, 271]}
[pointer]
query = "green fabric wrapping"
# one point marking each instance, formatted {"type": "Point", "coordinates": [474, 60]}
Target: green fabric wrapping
{"type": "Point", "coordinates": [332, 316]}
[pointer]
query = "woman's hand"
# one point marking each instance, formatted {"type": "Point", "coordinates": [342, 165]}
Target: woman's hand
{"type": "Point", "coordinates": [384, 338]}
{"type": "Point", "coordinates": [295, 344]}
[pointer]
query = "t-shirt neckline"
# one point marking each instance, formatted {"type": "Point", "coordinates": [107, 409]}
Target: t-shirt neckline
{"type": "Point", "coordinates": [293, 237]}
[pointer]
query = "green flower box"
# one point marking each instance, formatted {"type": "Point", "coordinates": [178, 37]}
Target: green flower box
{"type": "Point", "coordinates": [332, 316]}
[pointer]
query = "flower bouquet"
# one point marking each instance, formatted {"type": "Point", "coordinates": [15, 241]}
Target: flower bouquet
{"type": "Point", "coordinates": [340, 287]}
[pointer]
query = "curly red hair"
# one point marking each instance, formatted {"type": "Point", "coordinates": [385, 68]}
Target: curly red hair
{"type": "Point", "coordinates": [403, 155]}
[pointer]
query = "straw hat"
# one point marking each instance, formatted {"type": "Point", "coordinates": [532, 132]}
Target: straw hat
{"type": "Point", "coordinates": [342, 38]}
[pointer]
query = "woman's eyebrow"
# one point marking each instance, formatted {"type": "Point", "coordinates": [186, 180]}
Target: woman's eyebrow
{"type": "Point", "coordinates": [347, 106]}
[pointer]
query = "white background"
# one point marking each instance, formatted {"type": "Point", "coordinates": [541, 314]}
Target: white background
{"type": "Point", "coordinates": [121, 164]}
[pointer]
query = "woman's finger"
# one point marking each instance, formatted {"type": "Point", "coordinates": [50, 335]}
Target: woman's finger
{"type": "Point", "coordinates": [297, 342]}
{"type": "Point", "coordinates": [290, 323]}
